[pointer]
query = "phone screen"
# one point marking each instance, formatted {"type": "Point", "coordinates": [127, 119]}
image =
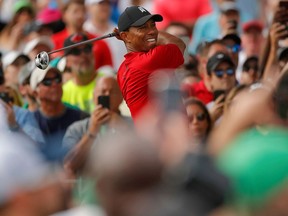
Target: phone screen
{"type": "Point", "coordinates": [104, 101]}
{"type": "Point", "coordinates": [217, 93]}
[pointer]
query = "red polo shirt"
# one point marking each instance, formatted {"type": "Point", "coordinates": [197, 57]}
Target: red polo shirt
{"type": "Point", "coordinates": [200, 91]}
{"type": "Point", "coordinates": [134, 73]}
{"type": "Point", "coordinates": [101, 50]}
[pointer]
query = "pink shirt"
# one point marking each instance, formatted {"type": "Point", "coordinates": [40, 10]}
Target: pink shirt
{"type": "Point", "coordinates": [186, 11]}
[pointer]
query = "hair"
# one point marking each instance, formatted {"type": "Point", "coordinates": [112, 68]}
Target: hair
{"type": "Point", "coordinates": [194, 101]}
{"type": "Point", "coordinates": [232, 93]}
{"type": "Point", "coordinates": [70, 2]}
{"type": "Point", "coordinates": [204, 47]}
{"type": "Point", "coordinates": [179, 24]}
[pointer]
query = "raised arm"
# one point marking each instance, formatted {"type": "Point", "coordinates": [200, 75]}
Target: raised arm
{"type": "Point", "coordinates": [166, 38]}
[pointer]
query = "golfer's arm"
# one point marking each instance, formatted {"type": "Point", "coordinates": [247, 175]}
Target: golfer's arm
{"type": "Point", "coordinates": [166, 38]}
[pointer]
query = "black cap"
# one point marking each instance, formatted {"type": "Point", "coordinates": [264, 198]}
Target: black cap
{"type": "Point", "coordinates": [233, 37]}
{"type": "Point", "coordinates": [216, 59]}
{"type": "Point", "coordinates": [74, 39]}
{"type": "Point", "coordinates": [136, 16]}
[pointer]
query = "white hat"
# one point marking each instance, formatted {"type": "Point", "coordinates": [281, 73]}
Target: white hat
{"type": "Point", "coordinates": [22, 167]}
{"type": "Point", "coordinates": [10, 57]}
{"type": "Point", "coordinates": [38, 75]}
{"type": "Point", "coordinates": [90, 2]}
{"type": "Point", "coordinates": [39, 40]}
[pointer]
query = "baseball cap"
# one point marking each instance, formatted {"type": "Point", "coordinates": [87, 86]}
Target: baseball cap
{"type": "Point", "coordinates": [233, 37]}
{"type": "Point", "coordinates": [90, 2]}
{"type": "Point", "coordinates": [26, 71]}
{"type": "Point", "coordinates": [73, 39]}
{"type": "Point", "coordinates": [22, 4]}
{"type": "Point", "coordinates": [228, 6]}
{"type": "Point", "coordinates": [136, 16]}
{"type": "Point", "coordinates": [38, 75]}
{"type": "Point", "coordinates": [22, 167]}
{"type": "Point", "coordinates": [253, 24]}
{"type": "Point", "coordinates": [49, 15]}
{"type": "Point", "coordinates": [11, 57]}
{"type": "Point", "coordinates": [39, 40]}
{"type": "Point", "coordinates": [216, 59]}
{"type": "Point", "coordinates": [256, 163]}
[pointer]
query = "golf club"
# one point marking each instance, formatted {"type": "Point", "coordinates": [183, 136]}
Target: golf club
{"type": "Point", "coordinates": [42, 59]}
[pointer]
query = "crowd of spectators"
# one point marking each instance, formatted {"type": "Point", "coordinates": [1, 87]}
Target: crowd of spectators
{"type": "Point", "coordinates": [208, 136]}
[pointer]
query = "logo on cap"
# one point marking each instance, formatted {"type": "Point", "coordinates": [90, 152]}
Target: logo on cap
{"type": "Point", "coordinates": [142, 9]}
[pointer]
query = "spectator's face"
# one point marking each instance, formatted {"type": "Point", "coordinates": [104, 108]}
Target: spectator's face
{"type": "Point", "coordinates": [252, 41]}
{"type": "Point", "coordinates": [198, 123]}
{"type": "Point", "coordinates": [50, 88]}
{"type": "Point", "coordinates": [100, 11]}
{"type": "Point", "coordinates": [233, 49]}
{"type": "Point", "coordinates": [108, 86]}
{"type": "Point", "coordinates": [80, 60]}
{"type": "Point", "coordinates": [219, 78]}
{"type": "Point", "coordinates": [250, 73]}
{"type": "Point", "coordinates": [75, 15]}
{"type": "Point", "coordinates": [142, 38]}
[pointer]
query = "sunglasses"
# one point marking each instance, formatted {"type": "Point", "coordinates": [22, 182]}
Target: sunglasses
{"type": "Point", "coordinates": [49, 81]}
{"type": "Point", "coordinates": [220, 73]}
{"type": "Point", "coordinates": [235, 48]}
{"type": "Point", "coordinates": [78, 51]}
{"type": "Point", "coordinates": [200, 117]}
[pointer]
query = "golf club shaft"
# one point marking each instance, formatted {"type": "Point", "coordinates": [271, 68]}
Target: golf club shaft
{"type": "Point", "coordinates": [83, 42]}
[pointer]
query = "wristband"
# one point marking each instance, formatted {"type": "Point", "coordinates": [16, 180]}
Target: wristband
{"type": "Point", "coordinates": [90, 135]}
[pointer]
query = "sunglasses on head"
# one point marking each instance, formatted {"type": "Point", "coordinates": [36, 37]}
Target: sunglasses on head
{"type": "Point", "coordinates": [77, 51]}
{"type": "Point", "coordinates": [235, 48]}
{"type": "Point", "coordinates": [48, 81]}
{"type": "Point", "coordinates": [220, 73]}
{"type": "Point", "coordinates": [200, 117]}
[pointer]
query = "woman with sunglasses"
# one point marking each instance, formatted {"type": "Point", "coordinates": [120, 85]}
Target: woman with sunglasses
{"type": "Point", "coordinates": [199, 121]}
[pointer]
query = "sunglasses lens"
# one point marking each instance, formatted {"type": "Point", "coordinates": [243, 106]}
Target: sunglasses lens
{"type": "Point", "coordinates": [219, 73]}
{"type": "Point", "coordinates": [47, 82]}
{"type": "Point", "coordinates": [230, 72]}
{"type": "Point", "coordinates": [200, 117]}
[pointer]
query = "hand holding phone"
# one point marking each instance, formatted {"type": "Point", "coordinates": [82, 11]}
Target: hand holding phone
{"type": "Point", "coordinates": [104, 100]}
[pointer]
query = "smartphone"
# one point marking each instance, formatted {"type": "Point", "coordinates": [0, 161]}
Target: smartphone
{"type": "Point", "coordinates": [217, 93]}
{"type": "Point", "coordinates": [5, 97]}
{"type": "Point", "coordinates": [104, 100]}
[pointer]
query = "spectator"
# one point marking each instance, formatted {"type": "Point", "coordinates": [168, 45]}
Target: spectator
{"type": "Point", "coordinates": [216, 24]}
{"type": "Point", "coordinates": [189, 10]}
{"type": "Point", "coordinates": [78, 91]}
{"type": "Point", "coordinates": [99, 23]}
{"type": "Point", "coordinates": [252, 43]}
{"type": "Point", "coordinates": [250, 73]}
{"type": "Point", "coordinates": [12, 63]}
{"type": "Point", "coordinates": [25, 90]}
{"type": "Point", "coordinates": [233, 43]}
{"type": "Point", "coordinates": [37, 45]}
{"type": "Point", "coordinates": [282, 56]}
{"type": "Point", "coordinates": [203, 90]}
{"type": "Point", "coordinates": [81, 134]}
{"type": "Point", "coordinates": [200, 123]}
{"type": "Point", "coordinates": [11, 36]}
{"type": "Point", "coordinates": [74, 17]}
{"type": "Point", "coordinates": [221, 71]}
{"type": "Point", "coordinates": [28, 184]}
{"type": "Point", "coordinates": [133, 76]}
{"type": "Point", "coordinates": [52, 116]}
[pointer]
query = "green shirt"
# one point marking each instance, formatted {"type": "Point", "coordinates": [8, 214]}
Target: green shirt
{"type": "Point", "coordinates": [79, 96]}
